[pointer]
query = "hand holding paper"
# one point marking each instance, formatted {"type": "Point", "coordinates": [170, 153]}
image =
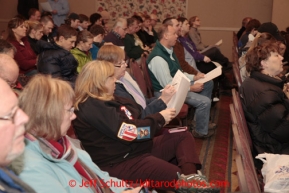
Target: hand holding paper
{"type": "Point", "coordinates": [182, 88]}
{"type": "Point", "coordinates": [167, 93]}
{"type": "Point", "coordinates": [210, 75]}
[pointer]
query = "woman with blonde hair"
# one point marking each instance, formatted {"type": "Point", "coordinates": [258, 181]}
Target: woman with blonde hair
{"type": "Point", "coordinates": [127, 87]}
{"type": "Point", "coordinates": [110, 126]}
{"type": "Point", "coordinates": [34, 34]}
{"type": "Point", "coordinates": [53, 162]}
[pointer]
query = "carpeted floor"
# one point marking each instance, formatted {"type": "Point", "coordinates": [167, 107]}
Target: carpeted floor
{"type": "Point", "coordinates": [217, 153]}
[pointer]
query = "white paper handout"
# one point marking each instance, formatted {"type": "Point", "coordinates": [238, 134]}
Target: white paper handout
{"type": "Point", "coordinates": [209, 47]}
{"type": "Point", "coordinates": [182, 84]}
{"type": "Point", "coordinates": [211, 75]}
{"type": "Point", "coordinates": [46, 6]}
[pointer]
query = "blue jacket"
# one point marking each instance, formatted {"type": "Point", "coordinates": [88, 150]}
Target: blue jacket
{"type": "Point", "coordinates": [62, 8]}
{"type": "Point", "coordinates": [47, 174]}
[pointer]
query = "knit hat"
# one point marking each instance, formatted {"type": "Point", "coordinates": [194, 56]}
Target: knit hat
{"type": "Point", "coordinates": [73, 16]}
{"type": "Point", "coordinates": [272, 29]}
{"type": "Point", "coordinates": [105, 15]}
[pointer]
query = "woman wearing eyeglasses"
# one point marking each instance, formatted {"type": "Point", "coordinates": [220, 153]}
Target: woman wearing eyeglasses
{"type": "Point", "coordinates": [53, 162]}
{"type": "Point", "coordinates": [119, 140]}
{"type": "Point", "coordinates": [127, 87]}
{"type": "Point", "coordinates": [265, 105]}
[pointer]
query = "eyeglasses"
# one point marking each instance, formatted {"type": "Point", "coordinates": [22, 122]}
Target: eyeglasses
{"type": "Point", "coordinates": [71, 110]}
{"type": "Point", "coordinates": [11, 115]}
{"type": "Point", "coordinates": [120, 64]}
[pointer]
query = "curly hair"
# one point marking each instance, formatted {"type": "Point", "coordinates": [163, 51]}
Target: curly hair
{"type": "Point", "coordinates": [259, 53]}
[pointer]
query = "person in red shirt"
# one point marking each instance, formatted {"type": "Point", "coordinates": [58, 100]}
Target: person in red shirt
{"type": "Point", "coordinates": [24, 56]}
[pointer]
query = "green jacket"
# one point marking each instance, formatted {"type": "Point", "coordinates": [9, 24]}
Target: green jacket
{"type": "Point", "coordinates": [81, 57]}
{"type": "Point", "coordinates": [174, 66]}
{"type": "Point", "coordinates": [131, 49]}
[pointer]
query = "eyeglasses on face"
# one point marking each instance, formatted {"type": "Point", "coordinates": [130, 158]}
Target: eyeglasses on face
{"type": "Point", "coordinates": [120, 64]}
{"type": "Point", "coordinates": [11, 115]}
{"type": "Point", "coordinates": [71, 110]}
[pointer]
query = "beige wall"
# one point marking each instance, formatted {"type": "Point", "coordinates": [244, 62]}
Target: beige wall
{"type": "Point", "coordinates": [280, 14]}
{"type": "Point", "coordinates": [221, 18]}
{"type": "Point", "coordinates": [8, 11]}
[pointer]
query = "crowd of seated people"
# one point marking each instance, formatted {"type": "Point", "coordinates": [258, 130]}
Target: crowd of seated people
{"type": "Point", "coordinates": [264, 92]}
{"type": "Point", "coordinates": [74, 76]}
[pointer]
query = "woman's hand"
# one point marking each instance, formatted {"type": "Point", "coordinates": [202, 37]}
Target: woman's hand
{"type": "Point", "coordinates": [207, 59]}
{"type": "Point", "coordinates": [167, 93]}
{"type": "Point", "coordinates": [168, 114]}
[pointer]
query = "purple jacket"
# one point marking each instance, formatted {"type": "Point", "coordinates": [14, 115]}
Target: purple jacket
{"type": "Point", "coordinates": [191, 48]}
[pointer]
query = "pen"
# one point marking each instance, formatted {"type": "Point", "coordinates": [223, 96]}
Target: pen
{"type": "Point", "coordinates": [171, 85]}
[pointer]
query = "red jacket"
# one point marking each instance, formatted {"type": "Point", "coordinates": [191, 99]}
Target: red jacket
{"type": "Point", "coordinates": [25, 56]}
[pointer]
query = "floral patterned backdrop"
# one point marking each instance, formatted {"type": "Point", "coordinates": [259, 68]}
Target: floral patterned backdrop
{"type": "Point", "coordinates": [126, 8]}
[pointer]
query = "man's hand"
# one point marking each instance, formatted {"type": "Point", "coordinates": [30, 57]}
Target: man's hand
{"type": "Point", "coordinates": [54, 12]}
{"type": "Point", "coordinates": [199, 76]}
{"type": "Point", "coordinates": [198, 87]}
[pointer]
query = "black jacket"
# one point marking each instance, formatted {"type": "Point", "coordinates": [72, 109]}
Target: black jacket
{"type": "Point", "coordinates": [56, 61]}
{"type": "Point", "coordinates": [154, 104]}
{"type": "Point", "coordinates": [267, 113]}
{"type": "Point", "coordinates": [98, 124]}
{"type": "Point", "coordinates": [33, 44]}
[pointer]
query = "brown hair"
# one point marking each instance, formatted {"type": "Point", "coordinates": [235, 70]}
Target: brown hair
{"type": "Point", "coordinates": [12, 24]}
{"type": "Point", "coordinates": [6, 46]}
{"type": "Point", "coordinates": [65, 31]}
{"type": "Point", "coordinates": [252, 24]}
{"type": "Point", "coordinates": [260, 39]}
{"type": "Point", "coordinates": [96, 30]}
{"type": "Point", "coordinates": [168, 21]}
{"type": "Point", "coordinates": [146, 17]}
{"type": "Point", "coordinates": [34, 25]}
{"type": "Point", "coordinates": [130, 21]}
{"type": "Point", "coordinates": [259, 53]}
{"type": "Point", "coordinates": [83, 36]}
{"type": "Point", "coordinates": [111, 53]}
{"type": "Point", "coordinates": [82, 18]}
{"type": "Point", "coordinates": [43, 100]}
{"type": "Point", "coordinates": [192, 19]}
{"type": "Point", "coordinates": [46, 19]}
{"type": "Point", "coordinates": [32, 11]}
{"type": "Point", "coordinates": [182, 19]}
{"type": "Point", "coordinates": [162, 30]}
{"type": "Point", "coordinates": [91, 81]}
